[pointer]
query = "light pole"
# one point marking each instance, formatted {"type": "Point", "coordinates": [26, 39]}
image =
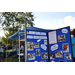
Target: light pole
{"type": "Point", "coordinates": [25, 52]}
{"type": "Point", "coordinates": [25, 39]}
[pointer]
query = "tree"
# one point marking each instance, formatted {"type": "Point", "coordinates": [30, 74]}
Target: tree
{"type": "Point", "coordinates": [4, 39]}
{"type": "Point", "coordinates": [12, 21]}
{"type": "Point", "coordinates": [16, 20]}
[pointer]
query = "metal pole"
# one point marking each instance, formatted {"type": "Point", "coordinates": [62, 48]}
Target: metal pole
{"type": "Point", "coordinates": [19, 47]}
{"type": "Point", "coordinates": [12, 44]}
{"type": "Point", "coordinates": [6, 50]}
{"type": "Point", "coordinates": [25, 40]}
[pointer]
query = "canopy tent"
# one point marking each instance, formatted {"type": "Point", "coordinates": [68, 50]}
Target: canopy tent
{"type": "Point", "coordinates": [22, 35]}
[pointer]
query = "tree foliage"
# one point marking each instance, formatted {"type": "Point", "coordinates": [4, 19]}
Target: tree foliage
{"type": "Point", "coordinates": [13, 21]}
{"type": "Point", "coordinates": [7, 34]}
{"type": "Point", "coordinates": [16, 20]}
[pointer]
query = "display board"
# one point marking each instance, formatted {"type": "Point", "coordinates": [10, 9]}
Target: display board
{"type": "Point", "coordinates": [37, 50]}
{"type": "Point", "coordinates": [60, 45]}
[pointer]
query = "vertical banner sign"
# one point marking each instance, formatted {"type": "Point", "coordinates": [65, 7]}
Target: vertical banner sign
{"type": "Point", "coordinates": [60, 45]}
{"type": "Point", "coordinates": [37, 50]}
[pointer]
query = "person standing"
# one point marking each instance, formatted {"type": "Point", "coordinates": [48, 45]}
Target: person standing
{"type": "Point", "coordinates": [21, 46]}
{"type": "Point", "coordinates": [73, 44]}
{"type": "Point", "coordinates": [1, 53]}
{"type": "Point", "coordinates": [1, 49]}
{"type": "Point", "coordinates": [16, 48]}
{"type": "Point", "coordinates": [24, 52]}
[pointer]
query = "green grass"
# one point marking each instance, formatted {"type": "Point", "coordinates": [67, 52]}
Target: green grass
{"type": "Point", "coordinates": [15, 59]}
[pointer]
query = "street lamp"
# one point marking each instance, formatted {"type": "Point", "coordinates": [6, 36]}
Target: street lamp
{"type": "Point", "coordinates": [25, 37]}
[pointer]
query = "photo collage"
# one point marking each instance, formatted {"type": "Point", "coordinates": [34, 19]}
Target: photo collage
{"type": "Point", "coordinates": [59, 46]}
{"type": "Point", "coordinates": [63, 53]}
{"type": "Point", "coordinates": [31, 46]}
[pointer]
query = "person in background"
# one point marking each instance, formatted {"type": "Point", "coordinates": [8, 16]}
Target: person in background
{"type": "Point", "coordinates": [1, 49]}
{"type": "Point", "coordinates": [1, 53]}
{"type": "Point", "coordinates": [24, 55]}
{"type": "Point", "coordinates": [16, 47]}
{"type": "Point", "coordinates": [73, 44]}
{"type": "Point", "coordinates": [21, 46]}
{"type": "Point", "coordinates": [24, 52]}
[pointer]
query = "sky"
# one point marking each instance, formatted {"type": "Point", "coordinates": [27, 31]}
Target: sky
{"type": "Point", "coordinates": [53, 20]}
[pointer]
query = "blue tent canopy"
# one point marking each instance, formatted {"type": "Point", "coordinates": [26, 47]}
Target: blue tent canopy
{"type": "Point", "coordinates": [22, 36]}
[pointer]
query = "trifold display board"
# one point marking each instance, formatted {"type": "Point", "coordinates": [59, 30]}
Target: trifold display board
{"type": "Point", "coordinates": [53, 46]}
{"type": "Point", "coordinates": [37, 50]}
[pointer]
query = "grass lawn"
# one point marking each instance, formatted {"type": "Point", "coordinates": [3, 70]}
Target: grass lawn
{"type": "Point", "coordinates": [15, 59]}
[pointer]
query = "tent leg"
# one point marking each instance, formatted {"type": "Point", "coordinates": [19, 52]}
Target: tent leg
{"type": "Point", "coordinates": [6, 50]}
{"type": "Point", "coordinates": [19, 47]}
{"type": "Point", "coordinates": [12, 43]}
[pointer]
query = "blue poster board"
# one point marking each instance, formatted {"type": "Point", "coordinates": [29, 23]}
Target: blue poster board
{"type": "Point", "coordinates": [60, 45]}
{"type": "Point", "coordinates": [37, 50]}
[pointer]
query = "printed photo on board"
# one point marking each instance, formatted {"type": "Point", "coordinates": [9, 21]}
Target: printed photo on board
{"type": "Point", "coordinates": [31, 56]}
{"type": "Point", "coordinates": [65, 47]}
{"type": "Point", "coordinates": [52, 56]}
{"type": "Point", "coordinates": [44, 55]}
{"type": "Point", "coordinates": [58, 54]}
{"type": "Point", "coordinates": [45, 42]}
{"type": "Point", "coordinates": [67, 56]}
{"type": "Point", "coordinates": [37, 52]}
{"type": "Point", "coordinates": [61, 38]}
{"type": "Point", "coordinates": [36, 45]}
{"type": "Point", "coordinates": [30, 45]}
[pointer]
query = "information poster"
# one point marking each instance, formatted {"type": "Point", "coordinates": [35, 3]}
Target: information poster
{"type": "Point", "coordinates": [60, 45]}
{"type": "Point", "coordinates": [37, 50]}
{"type": "Point", "coordinates": [52, 37]}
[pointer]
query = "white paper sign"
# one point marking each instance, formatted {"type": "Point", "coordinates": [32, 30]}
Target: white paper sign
{"type": "Point", "coordinates": [54, 47]}
{"type": "Point", "coordinates": [42, 33]}
{"type": "Point", "coordinates": [29, 37]}
{"type": "Point", "coordinates": [64, 31]}
{"type": "Point", "coordinates": [37, 33]}
{"type": "Point", "coordinates": [52, 37]}
{"type": "Point", "coordinates": [36, 37]}
{"type": "Point", "coordinates": [39, 40]}
{"type": "Point", "coordinates": [31, 32]}
{"type": "Point", "coordinates": [43, 46]}
{"type": "Point", "coordinates": [43, 37]}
